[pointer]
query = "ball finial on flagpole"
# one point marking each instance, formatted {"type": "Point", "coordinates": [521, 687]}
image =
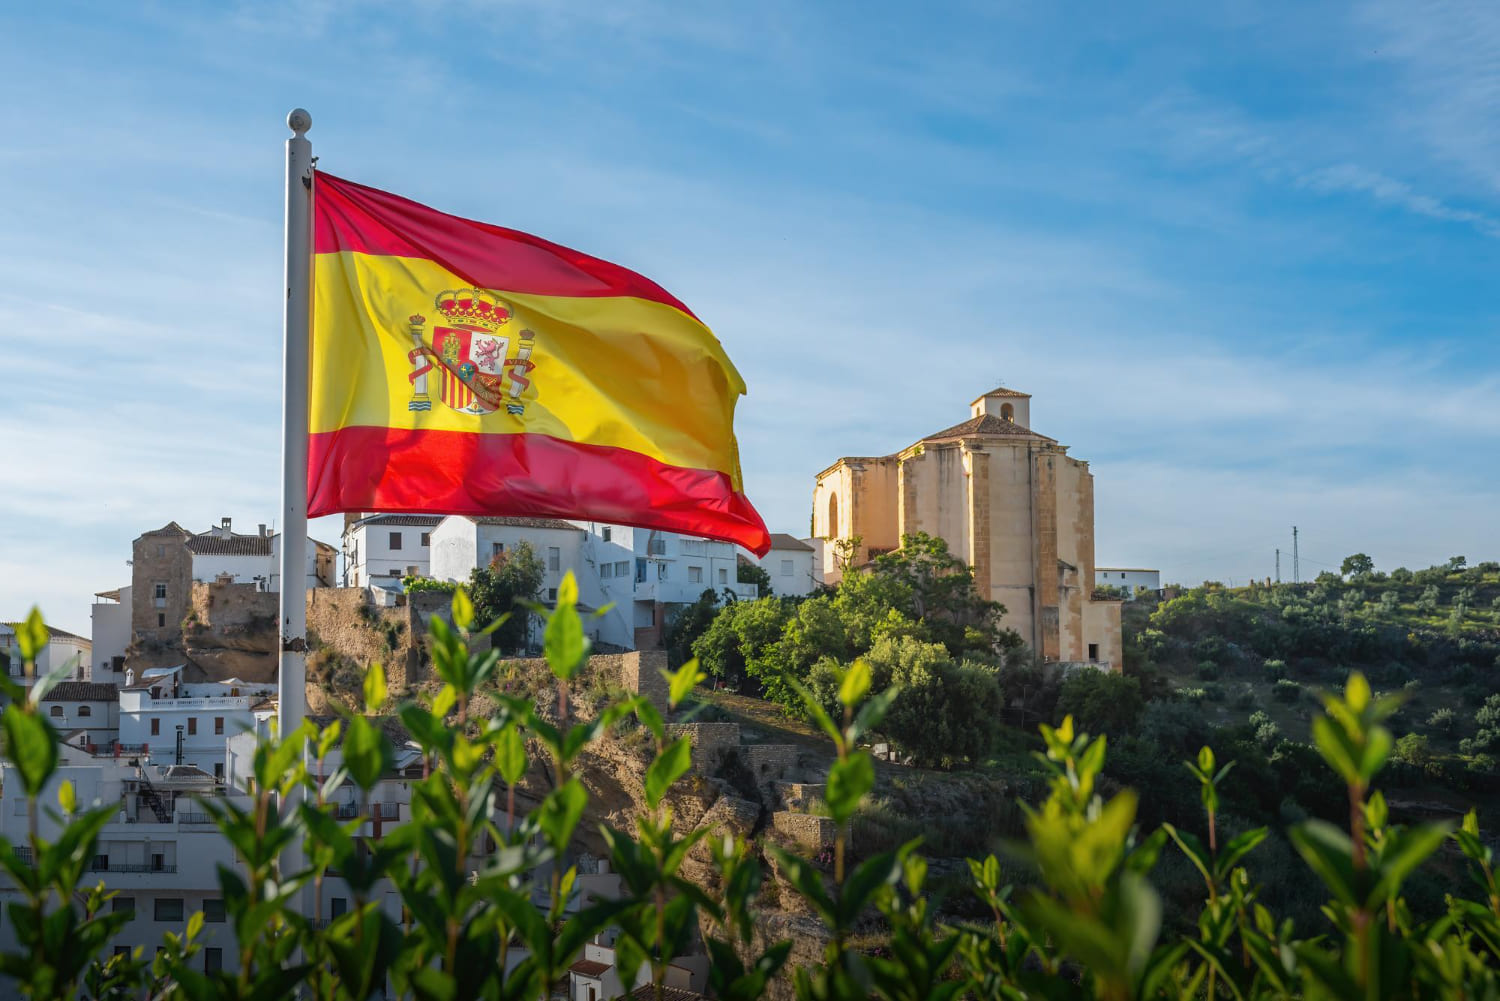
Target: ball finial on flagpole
{"type": "Point", "coordinates": [298, 120]}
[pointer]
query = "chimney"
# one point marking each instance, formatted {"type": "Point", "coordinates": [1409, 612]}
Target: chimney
{"type": "Point", "coordinates": [261, 531]}
{"type": "Point", "coordinates": [224, 523]}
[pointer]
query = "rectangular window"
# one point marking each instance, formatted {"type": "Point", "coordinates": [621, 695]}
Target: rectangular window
{"type": "Point", "coordinates": [213, 910]}
{"type": "Point", "coordinates": [218, 724]}
{"type": "Point", "coordinates": [161, 620]}
{"type": "Point", "coordinates": [1093, 651]}
{"type": "Point", "coordinates": [551, 594]}
{"type": "Point", "coordinates": [607, 532]}
{"type": "Point", "coordinates": [395, 540]}
{"type": "Point", "coordinates": [658, 547]}
{"type": "Point", "coordinates": [168, 908]}
{"type": "Point", "coordinates": [159, 864]}
{"type": "Point", "coordinates": [219, 770]}
{"type": "Point", "coordinates": [640, 570]}
{"type": "Point", "coordinates": [606, 569]}
{"type": "Point", "coordinates": [622, 569]}
{"type": "Point", "coordinates": [695, 575]}
{"type": "Point", "coordinates": [786, 568]}
{"type": "Point", "coordinates": [337, 906]}
{"type": "Point", "coordinates": [554, 558]}
{"type": "Point", "coordinates": [723, 576]}
{"type": "Point", "coordinates": [426, 539]}
{"type": "Point", "coordinates": [193, 726]}
{"type": "Point", "coordinates": [155, 727]}
{"type": "Point", "coordinates": [497, 549]}
{"type": "Point", "coordinates": [213, 959]}
{"type": "Point", "coordinates": [123, 905]}
{"type": "Point", "coordinates": [160, 591]}
{"type": "Point", "coordinates": [101, 863]}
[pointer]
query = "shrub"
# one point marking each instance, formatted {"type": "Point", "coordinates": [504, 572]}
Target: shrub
{"type": "Point", "coordinates": [1085, 925]}
{"type": "Point", "coordinates": [1213, 692]}
{"type": "Point", "coordinates": [1444, 721]}
{"type": "Point", "coordinates": [1267, 734]}
{"type": "Point", "coordinates": [1206, 670]}
{"type": "Point", "coordinates": [1244, 698]}
{"type": "Point", "coordinates": [1102, 701]}
{"type": "Point", "coordinates": [1412, 749]}
{"type": "Point", "coordinates": [1286, 691]}
{"type": "Point", "coordinates": [1275, 669]}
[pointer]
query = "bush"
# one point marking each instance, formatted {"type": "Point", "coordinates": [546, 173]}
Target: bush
{"type": "Point", "coordinates": [1444, 721]}
{"type": "Point", "coordinates": [1101, 701]}
{"type": "Point", "coordinates": [1275, 669]}
{"type": "Point", "coordinates": [1244, 698]}
{"type": "Point", "coordinates": [1213, 692]}
{"type": "Point", "coordinates": [1207, 670]}
{"type": "Point", "coordinates": [1413, 750]}
{"type": "Point", "coordinates": [1286, 691]}
{"type": "Point", "coordinates": [1086, 924]}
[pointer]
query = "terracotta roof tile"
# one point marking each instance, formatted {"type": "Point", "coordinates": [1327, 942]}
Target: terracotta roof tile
{"type": "Point", "coordinates": [1002, 391]}
{"type": "Point", "coordinates": [588, 968]}
{"type": "Point", "coordinates": [987, 424]}
{"type": "Point", "coordinates": [528, 523]}
{"type": "Point", "coordinates": [782, 541]}
{"type": "Point", "coordinates": [234, 545]}
{"type": "Point", "coordinates": [82, 691]}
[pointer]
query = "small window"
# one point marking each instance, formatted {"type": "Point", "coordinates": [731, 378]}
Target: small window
{"type": "Point", "coordinates": [337, 906]}
{"type": "Point", "coordinates": [786, 568]}
{"type": "Point", "coordinates": [161, 590]}
{"type": "Point", "coordinates": [168, 908]}
{"type": "Point", "coordinates": [161, 550]}
{"type": "Point", "coordinates": [56, 712]}
{"type": "Point", "coordinates": [219, 770]}
{"type": "Point", "coordinates": [213, 910]}
{"type": "Point", "coordinates": [551, 594]}
{"type": "Point", "coordinates": [85, 711]}
{"type": "Point", "coordinates": [554, 558]}
{"type": "Point", "coordinates": [1007, 412]}
{"type": "Point", "coordinates": [607, 533]}
{"type": "Point", "coordinates": [213, 959]}
{"type": "Point", "coordinates": [192, 722]}
{"type": "Point", "coordinates": [161, 620]}
{"type": "Point", "coordinates": [155, 727]}
{"type": "Point", "coordinates": [1093, 651]}
{"type": "Point", "coordinates": [159, 864]}
{"type": "Point", "coordinates": [426, 539]}
{"type": "Point", "coordinates": [606, 569]}
{"type": "Point", "coordinates": [219, 722]}
{"type": "Point", "coordinates": [123, 905]}
{"type": "Point", "coordinates": [622, 569]}
{"type": "Point", "coordinates": [695, 575]}
{"type": "Point", "coordinates": [101, 862]}
{"type": "Point", "coordinates": [395, 540]}
{"type": "Point", "coordinates": [723, 576]}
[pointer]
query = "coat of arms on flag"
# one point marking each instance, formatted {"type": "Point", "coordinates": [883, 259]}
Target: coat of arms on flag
{"type": "Point", "coordinates": [477, 374]}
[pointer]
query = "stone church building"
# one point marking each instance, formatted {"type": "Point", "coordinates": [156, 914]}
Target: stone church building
{"type": "Point", "coordinates": [1008, 501]}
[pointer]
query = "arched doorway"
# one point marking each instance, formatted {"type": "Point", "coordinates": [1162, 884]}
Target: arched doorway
{"type": "Point", "coordinates": [1007, 411]}
{"type": "Point", "coordinates": [833, 516]}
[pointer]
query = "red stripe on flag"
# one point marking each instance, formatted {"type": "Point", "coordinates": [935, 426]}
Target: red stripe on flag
{"type": "Point", "coordinates": [354, 217]}
{"type": "Point", "coordinates": [392, 470]}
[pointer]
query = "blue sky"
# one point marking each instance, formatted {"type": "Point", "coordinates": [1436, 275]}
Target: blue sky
{"type": "Point", "coordinates": [1242, 255]}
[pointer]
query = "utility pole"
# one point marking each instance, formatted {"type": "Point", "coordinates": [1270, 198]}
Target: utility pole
{"type": "Point", "coordinates": [1278, 566]}
{"type": "Point", "coordinates": [1296, 560]}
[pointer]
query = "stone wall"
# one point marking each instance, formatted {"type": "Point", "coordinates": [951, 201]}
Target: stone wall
{"type": "Point", "coordinates": [710, 742]}
{"type": "Point", "coordinates": [224, 606]}
{"type": "Point", "coordinates": [804, 829]}
{"type": "Point", "coordinates": [769, 762]}
{"type": "Point", "coordinates": [640, 672]}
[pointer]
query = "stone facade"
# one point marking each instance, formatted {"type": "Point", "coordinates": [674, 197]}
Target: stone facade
{"type": "Point", "coordinates": [1008, 501]}
{"type": "Point", "coordinates": [710, 742]}
{"type": "Point", "coordinates": [804, 829]}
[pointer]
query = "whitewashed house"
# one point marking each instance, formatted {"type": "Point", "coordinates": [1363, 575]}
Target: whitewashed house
{"type": "Point", "coordinates": [383, 548]}
{"type": "Point", "coordinates": [171, 721]}
{"type": "Point", "coordinates": [638, 574]}
{"type": "Point", "coordinates": [1129, 579]}
{"type": "Point", "coordinates": [87, 712]}
{"type": "Point", "coordinates": [62, 648]}
{"type": "Point", "coordinates": [791, 564]}
{"type": "Point", "coordinates": [109, 635]}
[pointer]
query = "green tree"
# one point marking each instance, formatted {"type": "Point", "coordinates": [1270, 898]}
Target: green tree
{"type": "Point", "coordinates": [1428, 602]}
{"type": "Point", "coordinates": [944, 712]}
{"type": "Point", "coordinates": [1413, 750]}
{"type": "Point", "coordinates": [1358, 565]}
{"type": "Point", "coordinates": [753, 573]}
{"type": "Point", "coordinates": [512, 577]}
{"type": "Point", "coordinates": [1101, 701]}
{"type": "Point", "coordinates": [686, 624]}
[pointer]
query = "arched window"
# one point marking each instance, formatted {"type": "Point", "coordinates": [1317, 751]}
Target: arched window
{"type": "Point", "coordinates": [57, 712]}
{"type": "Point", "coordinates": [85, 711]}
{"type": "Point", "coordinates": [833, 516]}
{"type": "Point", "coordinates": [1007, 411]}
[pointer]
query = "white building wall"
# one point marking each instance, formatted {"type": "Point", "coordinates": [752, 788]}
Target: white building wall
{"type": "Point", "coordinates": [370, 554]}
{"type": "Point", "coordinates": [793, 572]}
{"type": "Point", "coordinates": [98, 719]}
{"type": "Point", "coordinates": [110, 635]}
{"type": "Point", "coordinates": [1127, 578]}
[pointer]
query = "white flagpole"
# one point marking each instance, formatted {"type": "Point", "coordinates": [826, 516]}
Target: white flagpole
{"type": "Point", "coordinates": [292, 676]}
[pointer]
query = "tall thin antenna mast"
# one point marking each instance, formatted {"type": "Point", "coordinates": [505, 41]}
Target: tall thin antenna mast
{"type": "Point", "coordinates": [1296, 560]}
{"type": "Point", "coordinates": [1278, 566]}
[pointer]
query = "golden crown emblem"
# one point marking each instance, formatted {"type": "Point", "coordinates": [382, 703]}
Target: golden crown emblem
{"type": "Point", "coordinates": [472, 307]}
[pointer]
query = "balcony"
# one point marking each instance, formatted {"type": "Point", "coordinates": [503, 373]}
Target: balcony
{"type": "Point", "coordinates": [131, 867]}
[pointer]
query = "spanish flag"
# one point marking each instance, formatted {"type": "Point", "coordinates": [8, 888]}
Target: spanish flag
{"type": "Point", "coordinates": [464, 368]}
